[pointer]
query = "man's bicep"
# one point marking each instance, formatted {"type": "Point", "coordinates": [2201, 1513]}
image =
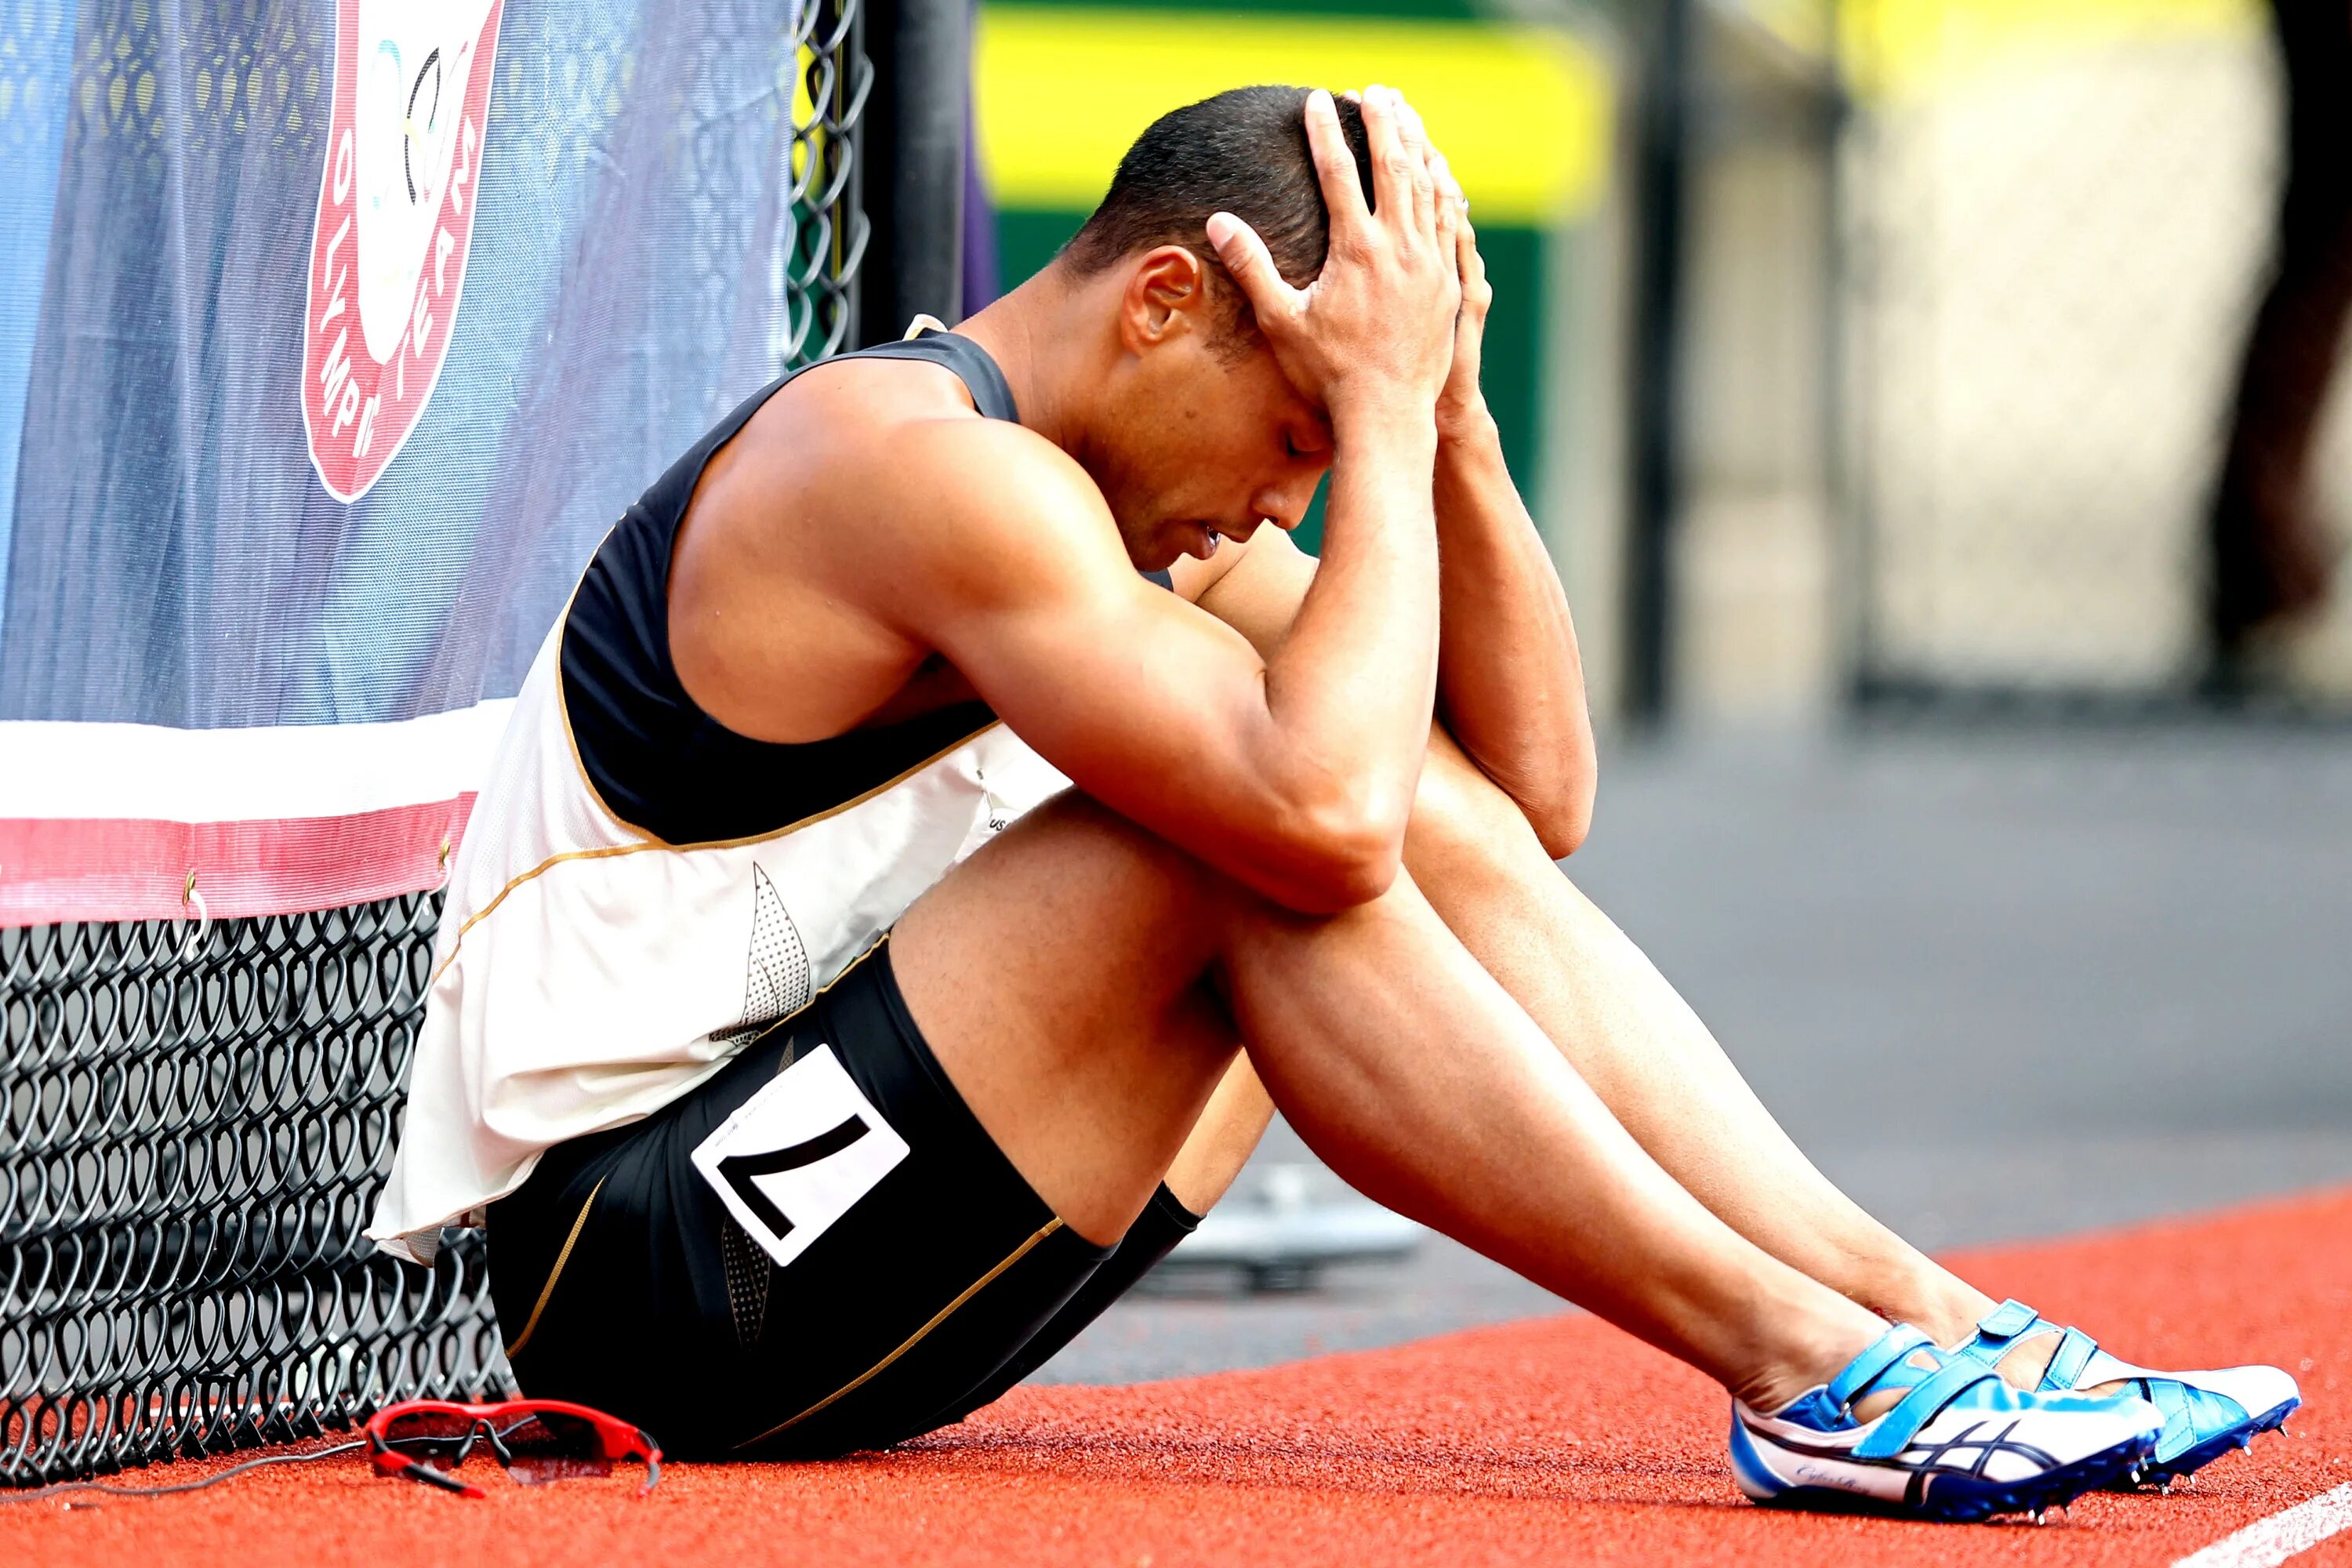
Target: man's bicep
{"type": "Point", "coordinates": [1153, 707]}
{"type": "Point", "coordinates": [1107, 675]}
{"type": "Point", "coordinates": [1148, 704]}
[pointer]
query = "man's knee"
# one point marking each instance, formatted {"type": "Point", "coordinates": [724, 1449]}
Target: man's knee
{"type": "Point", "coordinates": [1464, 827]}
{"type": "Point", "coordinates": [1073, 850]}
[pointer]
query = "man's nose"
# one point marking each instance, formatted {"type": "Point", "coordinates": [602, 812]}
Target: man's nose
{"type": "Point", "coordinates": [1286, 502]}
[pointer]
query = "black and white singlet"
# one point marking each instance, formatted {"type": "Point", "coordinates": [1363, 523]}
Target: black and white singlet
{"type": "Point", "coordinates": [641, 889]}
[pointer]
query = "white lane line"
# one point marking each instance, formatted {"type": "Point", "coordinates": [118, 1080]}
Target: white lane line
{"type": "Point", "coordinates": [2267, 1542]}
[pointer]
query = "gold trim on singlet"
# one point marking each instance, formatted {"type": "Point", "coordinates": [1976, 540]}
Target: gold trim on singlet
{"type": "Point", "coordinates": [562, 1258]}
{"type": "Point", "coordinates": [654, 841]}
{"type": "Point", "coordinates": [911, 1340]}
{"type": "Point", "coordinates": [795, 1016]}
{"type": "Point", "coordinates": [564, 704]}
{"type": "Point", "coordinates": [651, 843]}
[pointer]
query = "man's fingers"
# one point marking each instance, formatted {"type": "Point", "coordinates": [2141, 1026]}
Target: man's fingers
{"type": "Point", "coordinates": [1245, 257]}
{"type": "Point", "coordinates": [1448, 220]}
{"type": "Point", "coordinates": [1445, 211]}
{"type": "Point", "coordinates": [1447, 185]}
{"type": "Point", "coordinates": [1393, 163]}
{"type": "Point", "coordinates": [1476, 296]}
{"type": "Point", "coordinates": [1432, 161]}
{"type": "Point", "coordinates": [1335, 166]}
{"type": "Point", "coordinates": [1415, 137]}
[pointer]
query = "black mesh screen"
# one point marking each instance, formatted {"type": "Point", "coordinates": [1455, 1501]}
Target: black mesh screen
{"type": "Point", "coordinates": [195, 1117]}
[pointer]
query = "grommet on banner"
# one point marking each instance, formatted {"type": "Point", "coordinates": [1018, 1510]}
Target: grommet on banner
{"type": "Point", "coordinates": [192, 899]}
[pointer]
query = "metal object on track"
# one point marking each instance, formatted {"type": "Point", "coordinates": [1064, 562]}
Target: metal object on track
{"type": "Point", "coordinates": [1280, 1239]}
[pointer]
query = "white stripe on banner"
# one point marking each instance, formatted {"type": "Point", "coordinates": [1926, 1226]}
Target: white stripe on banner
{"type": "Point", "coordinates": [153, 773]}
{"type": "Point", "coordinates": [2267, 1542]}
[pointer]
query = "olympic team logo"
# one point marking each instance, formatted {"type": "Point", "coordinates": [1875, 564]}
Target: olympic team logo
{"type": "Point", "coordinates": [395, 220]}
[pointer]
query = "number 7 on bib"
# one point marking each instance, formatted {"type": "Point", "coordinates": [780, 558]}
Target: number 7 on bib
{"type": "Point", "coordinates": [799, 1154]}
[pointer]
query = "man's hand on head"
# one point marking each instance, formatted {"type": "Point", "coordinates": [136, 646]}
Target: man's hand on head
{"type": "Point", "coordinates": [1461, 407]}
{"type": "Point", "coordinates": [1462, 414]}
{"type": "Point", "coordinates": [1372, 338]}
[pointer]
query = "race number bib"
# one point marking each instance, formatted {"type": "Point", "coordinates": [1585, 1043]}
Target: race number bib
{"type": "Point", "coordinates": [799, 1154]}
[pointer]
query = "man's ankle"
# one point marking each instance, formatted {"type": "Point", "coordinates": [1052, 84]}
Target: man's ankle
{"type": "Point", "coordinates": [1816, 1354]}
{"type": "Point", "coordinates": [1936, 1302]}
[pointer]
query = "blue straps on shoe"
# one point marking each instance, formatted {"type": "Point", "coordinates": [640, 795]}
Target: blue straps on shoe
{"type": "Point", "coordinates": [2007, 1321]}
{"type": "Point", "coordinates": [1928, 1392]}
{"type": "Point", "coordinates": [2075, 1352]}
{"type": "Point", "coordinates": [1873, 1364]}
{"type": "Point", "coordinates": [1894, 1431]}
{"type": "Point", "coordinates": [1998, 1331]}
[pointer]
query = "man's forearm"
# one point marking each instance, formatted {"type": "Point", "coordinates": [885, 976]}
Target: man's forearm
{"type": "Point", "coordinates": [1510, 680]}
{"type": "Point", "coordinates": [1357, 675]}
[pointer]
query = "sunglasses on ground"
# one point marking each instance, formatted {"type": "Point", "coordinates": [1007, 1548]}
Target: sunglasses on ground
{"type": "Point", "coordinates": [538, 1441]}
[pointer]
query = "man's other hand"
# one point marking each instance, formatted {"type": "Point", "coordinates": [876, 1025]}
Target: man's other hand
{"type": "Point", "coordinates": [1374, 336]}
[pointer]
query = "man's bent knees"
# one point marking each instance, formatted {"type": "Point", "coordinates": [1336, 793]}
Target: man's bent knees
{"type": "Point", "coordinates": [1059, 975]}
{"type": "Point", "coordinates": [1466, 829]}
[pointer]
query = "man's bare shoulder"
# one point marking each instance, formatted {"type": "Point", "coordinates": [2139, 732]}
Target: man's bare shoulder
{"type": "Point", "coordinates": [869, 492]}
{"type": "Point", "coordinates": [973, 509]}
{"type": "Point", "coordinates": [992, 471]}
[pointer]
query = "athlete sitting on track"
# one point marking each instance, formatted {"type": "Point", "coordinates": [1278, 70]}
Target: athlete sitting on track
{"type": "Point", "coordinates": [821, 1061]}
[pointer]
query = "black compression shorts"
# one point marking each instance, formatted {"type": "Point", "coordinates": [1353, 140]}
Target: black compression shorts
{"type": "Point", "coordinates": [924, 1276]}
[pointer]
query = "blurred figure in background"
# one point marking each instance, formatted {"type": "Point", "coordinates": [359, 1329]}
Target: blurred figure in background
{"type": "Point", "coordinates": [2270, 558]}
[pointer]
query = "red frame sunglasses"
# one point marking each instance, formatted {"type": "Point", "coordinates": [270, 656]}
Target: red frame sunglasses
{"type": "Point", "coordinates": [537, 1441]}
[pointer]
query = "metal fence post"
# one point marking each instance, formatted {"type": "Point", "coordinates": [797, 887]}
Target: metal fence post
{"type": "Point", "coordinates": [1663, 157]}
{"type": "Point", "coordinates": [914, 154]}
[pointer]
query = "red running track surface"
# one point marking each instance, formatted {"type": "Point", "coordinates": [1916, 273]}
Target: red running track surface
{"type": "Point", "coordinates": [1554, 1441]}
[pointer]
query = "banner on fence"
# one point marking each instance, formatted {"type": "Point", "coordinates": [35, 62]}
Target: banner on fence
{"type": "Point", "coordinates": [333, 334]}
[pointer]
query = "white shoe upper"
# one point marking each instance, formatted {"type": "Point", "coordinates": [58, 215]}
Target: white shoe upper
{"type": "Point", "coordinates": [1997, 1445]}
{"type": "Point", "coordinates": [2205, 1412]}
{"type": "Point", "coordinates": [2257, 1390]}
{"type": "Point", "coordinates": [1958, 1443]}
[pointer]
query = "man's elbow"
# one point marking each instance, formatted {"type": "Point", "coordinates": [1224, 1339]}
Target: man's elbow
{"type": "Point", "coordinates": [1563, 817]}
{"type": "Point", "coordinates": [1551, 786]}
{"type": "Point", "coordinates": [1348, 878]}
{"type": "Point", "coordinates": [1347, 849]}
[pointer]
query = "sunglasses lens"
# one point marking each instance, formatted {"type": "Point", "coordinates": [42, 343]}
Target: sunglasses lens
{"type": "Point", "coordinates": [550, 1446]}
{"type": "Point", "coordinates": [434, 1435]}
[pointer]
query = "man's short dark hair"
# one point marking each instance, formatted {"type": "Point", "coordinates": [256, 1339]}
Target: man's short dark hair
{"type": "Point", "coordinates": [1243, 151]}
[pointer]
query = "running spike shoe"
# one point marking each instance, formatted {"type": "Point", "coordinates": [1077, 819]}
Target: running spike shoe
{"type": "Point", "coordinates": [1959, 1445]}
{"type": "Point", "coordinates": [2206, 1413]}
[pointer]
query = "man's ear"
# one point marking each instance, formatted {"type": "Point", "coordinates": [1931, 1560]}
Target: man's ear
{"type": "Point", "coordinates": [1165, 295]}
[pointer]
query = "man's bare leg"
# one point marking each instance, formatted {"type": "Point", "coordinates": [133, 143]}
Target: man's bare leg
{"type": "Point", "coordinates": [1058, 975]}
{"type": "Point", "coordinates": [1648, 1056]}
{"type": "Point", "coordinates": [1637, 1043]}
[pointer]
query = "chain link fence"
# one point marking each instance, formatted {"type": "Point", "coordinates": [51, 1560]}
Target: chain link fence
{"type": "Point", "coordinates": [2057, 221]}
{"type": "Point", "coordinates": [195, 1123]}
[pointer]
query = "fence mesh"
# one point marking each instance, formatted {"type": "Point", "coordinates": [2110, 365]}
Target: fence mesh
{"type": "Point", "coordinates": [2059, 221]}
{"type": "Point", "coordinates": [195, 1117]}
{"type": "Point", "coordinates": [196, 1124]}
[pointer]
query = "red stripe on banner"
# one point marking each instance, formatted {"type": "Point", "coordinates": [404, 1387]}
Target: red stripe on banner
{"type": "Point", "coordinates": [133, 870]}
